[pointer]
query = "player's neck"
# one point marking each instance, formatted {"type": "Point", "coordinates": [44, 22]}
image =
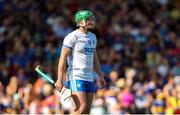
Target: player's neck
{"type": "Point", "coordinates": [83, 30]}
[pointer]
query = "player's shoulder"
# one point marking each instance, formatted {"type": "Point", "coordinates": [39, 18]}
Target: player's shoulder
{"type": "Point", "coordinates": [71, 34]}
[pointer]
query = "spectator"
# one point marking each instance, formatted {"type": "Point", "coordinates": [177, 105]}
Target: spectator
{"type": "Point", "coordinates": [138, 45]}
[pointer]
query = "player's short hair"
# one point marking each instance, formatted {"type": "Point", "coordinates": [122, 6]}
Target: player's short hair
{"type": "Point", "coordinates": [82, 15]}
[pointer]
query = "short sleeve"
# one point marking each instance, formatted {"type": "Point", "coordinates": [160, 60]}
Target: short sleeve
{"type": "Point", "coordinates": [69, 41]}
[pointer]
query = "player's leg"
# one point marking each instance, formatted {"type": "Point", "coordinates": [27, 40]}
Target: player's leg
{"type": "Point", "coordinates": [80, 101]}
{"type": "Point", "coordinates": [79, 96]}
{"type": "Point", "coordinates": [90, 97]}
{"type": "Point", "coordinates": [90, 90]}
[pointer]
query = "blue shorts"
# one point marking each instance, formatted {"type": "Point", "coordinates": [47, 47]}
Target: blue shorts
{"type": "Point", "coordinates": [81, 86]}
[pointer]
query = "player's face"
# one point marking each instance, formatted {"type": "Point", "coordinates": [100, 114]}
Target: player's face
{"type": "Point", "coordinates": [90, 22]}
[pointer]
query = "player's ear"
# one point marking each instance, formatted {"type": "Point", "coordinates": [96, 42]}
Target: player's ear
{"type": "Point", "coordinates": [82, 23]}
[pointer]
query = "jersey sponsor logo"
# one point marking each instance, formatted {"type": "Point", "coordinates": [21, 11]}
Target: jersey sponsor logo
{"type": "Point", "coordinates": [90, 50]}
{"type": "Point", "coordinates": [87, 51]}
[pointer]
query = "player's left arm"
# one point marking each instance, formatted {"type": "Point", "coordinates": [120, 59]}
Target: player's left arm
{"type": "Point", "coordinates": [97, 69]}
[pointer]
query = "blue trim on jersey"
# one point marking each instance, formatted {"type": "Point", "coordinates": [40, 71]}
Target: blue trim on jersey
{"type": "Point", "coordinates": [81, 86]}
{"type": "Point", "coordinates": [66, 46]}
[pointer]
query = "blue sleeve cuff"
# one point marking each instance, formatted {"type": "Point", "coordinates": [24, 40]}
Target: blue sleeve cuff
{"type": "Point", "coordinates": [66, 46]}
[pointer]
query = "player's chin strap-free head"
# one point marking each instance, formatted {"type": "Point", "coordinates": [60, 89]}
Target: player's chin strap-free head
{"type": "Point", "coordinates": [85, 19]}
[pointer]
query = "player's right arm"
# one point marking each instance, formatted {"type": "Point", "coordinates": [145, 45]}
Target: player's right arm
{"type": "Point", "coordinates": [61, 67]}
{"type": "Point", "coordinates": [68, 44]}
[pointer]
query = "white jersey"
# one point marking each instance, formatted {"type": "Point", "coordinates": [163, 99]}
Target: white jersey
{"type": "Point", "coordinates": [80, 59]}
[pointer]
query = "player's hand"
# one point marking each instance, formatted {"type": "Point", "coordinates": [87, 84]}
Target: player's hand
{"type": "Point", "coordinates": [102, 82]}
{"type": "Point", "coordinates": [59, 85]}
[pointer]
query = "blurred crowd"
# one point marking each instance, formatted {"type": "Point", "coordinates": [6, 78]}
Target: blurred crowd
{"type": "Point", "coordinates": [138, 46]}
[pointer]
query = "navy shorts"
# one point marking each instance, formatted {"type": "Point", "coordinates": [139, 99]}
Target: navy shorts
{"type": "Point", "coordinates": [81, 86]}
